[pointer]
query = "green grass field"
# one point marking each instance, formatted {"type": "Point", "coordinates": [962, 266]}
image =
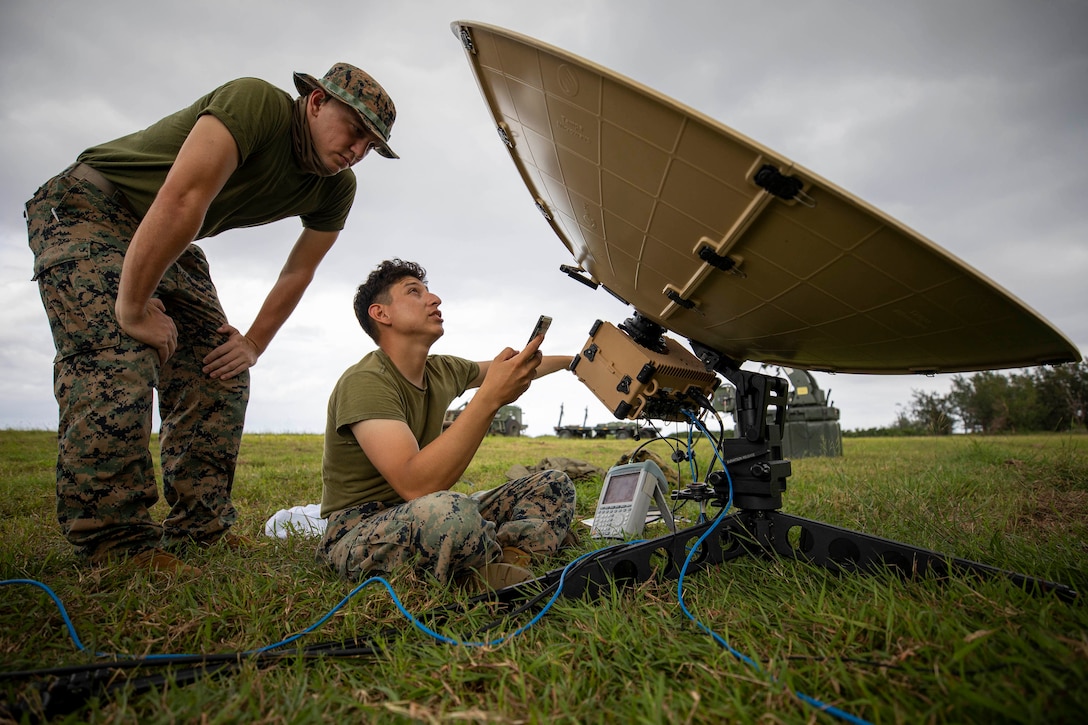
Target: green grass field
{"type": "Point", "coordinates": [878, 648]}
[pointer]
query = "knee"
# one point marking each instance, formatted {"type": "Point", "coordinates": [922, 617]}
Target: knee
{"type": "Point", "coordinates": [567, 488]}
{"type": "Point", "coordinates": [448, 511]}
{"type": "Point", "coordinates": [560, 488]}
{"type": "Point", "coordinates": [452, 532]}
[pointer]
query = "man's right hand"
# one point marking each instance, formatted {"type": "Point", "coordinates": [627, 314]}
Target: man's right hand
{"type": "Point", "coordinates": [510, 373]}
{"type": "Point", "coordinates": [154, 327]}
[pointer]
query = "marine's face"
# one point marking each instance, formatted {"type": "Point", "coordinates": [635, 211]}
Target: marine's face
{"type": "Point", "coordinates": [339, 135]}
{"type": "Point", "coordinates": [412, 308]}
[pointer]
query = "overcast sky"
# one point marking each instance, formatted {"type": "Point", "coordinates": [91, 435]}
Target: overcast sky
{"type": "Point", "coordinates": [966, 120]}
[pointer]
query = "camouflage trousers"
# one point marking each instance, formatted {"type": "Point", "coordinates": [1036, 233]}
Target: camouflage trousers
{"type": "Point", "coordinates": [104, 383]}
{"type": "Point", "coordinates": [448, 534]}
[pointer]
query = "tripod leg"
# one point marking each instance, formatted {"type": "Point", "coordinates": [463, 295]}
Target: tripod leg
{"type": "Point", "coordinates": [841, 549]}
{"type": "Point", "coordinates": [767, 534]}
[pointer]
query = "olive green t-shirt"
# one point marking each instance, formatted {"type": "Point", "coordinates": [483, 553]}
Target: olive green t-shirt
{"type": "Point", "coordinates": [373, 389]}
{"type": "Point", "coordinates": [267, 185]}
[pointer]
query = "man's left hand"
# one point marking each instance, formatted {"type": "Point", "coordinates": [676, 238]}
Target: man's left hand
{"type": "Point", "coordinates": [233, 357]}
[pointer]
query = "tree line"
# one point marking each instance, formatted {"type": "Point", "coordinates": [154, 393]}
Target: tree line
{"type": "Point", "coordinates": [1035, 400]}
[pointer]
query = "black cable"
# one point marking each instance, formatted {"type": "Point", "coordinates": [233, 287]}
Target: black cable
{"type": "Point", "coordinates": [705, 403]}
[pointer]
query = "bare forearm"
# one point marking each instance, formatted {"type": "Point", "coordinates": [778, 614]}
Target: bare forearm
{"type": "Point", "coordinates": [414, 472]}
{"type": "Point", "coordinates": [241, 352]}
{"type": "Point", "coordinates": [553, 363]}
{"type": "Point", "coordinates": [157, 243]}
{"type": "Point", "coordinates": [277, 307]}
{"type": "Point", "coordinates": [442, 462]}
{"type": "Point", "coordinates": [154, 247]}
{"type": "Point", "coordinates": [203, 164]}
{"type": "Point", "coordinates": [297, 273]}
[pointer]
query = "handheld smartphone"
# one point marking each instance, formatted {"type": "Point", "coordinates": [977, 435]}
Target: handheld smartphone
{"type": "Point", "coordinates": [541, 327]}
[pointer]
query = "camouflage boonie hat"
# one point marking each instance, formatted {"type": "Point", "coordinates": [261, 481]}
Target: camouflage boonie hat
{"type": "Point", "coordinates": [359, 90]}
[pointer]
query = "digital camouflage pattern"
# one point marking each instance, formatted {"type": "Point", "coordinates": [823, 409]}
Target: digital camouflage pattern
{"type": "Point", "coordinates": [448, 534]}
{"type": "Point", "coordinates": [104, 383]}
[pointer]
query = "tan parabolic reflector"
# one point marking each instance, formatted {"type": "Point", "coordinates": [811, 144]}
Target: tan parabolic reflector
{"type": "Point", "coordinates": [730, 244]}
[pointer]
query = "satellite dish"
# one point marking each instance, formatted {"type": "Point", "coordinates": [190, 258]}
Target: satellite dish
{"type": "Point", "coordinates": [730, 244]}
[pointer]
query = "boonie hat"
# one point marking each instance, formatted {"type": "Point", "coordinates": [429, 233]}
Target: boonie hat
{"type": "Point", "coordinates": [359, 90]}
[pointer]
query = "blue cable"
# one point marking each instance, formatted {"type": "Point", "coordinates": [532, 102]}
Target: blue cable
{"type": "Point", "coordinates": [56, 600]}
{"type": "Point", "coordinates": [408, 615]}
{"type": "Point", "coordinates": [415, 622]}
{"type": "Point", "coordinates": [811, 701]}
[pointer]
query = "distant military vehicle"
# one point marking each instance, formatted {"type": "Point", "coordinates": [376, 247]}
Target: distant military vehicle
{"type": "Point", "coordinates": [573, 431]}
{"type": "Point", "coordinates": [507, 421]}
{"type": "Point", "coordinates": [623, 430]}
{"type": "Point", "coordinates": [812, 423]}
{"type": "Point", "coordinates": [614, 429]}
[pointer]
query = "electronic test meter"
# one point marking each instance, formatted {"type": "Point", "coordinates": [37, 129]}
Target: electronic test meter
{"type": "Point", "coordinates": [626, 495]}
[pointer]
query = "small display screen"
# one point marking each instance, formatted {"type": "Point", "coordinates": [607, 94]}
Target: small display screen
{"type": "Point", "coordinates": [621, 488]}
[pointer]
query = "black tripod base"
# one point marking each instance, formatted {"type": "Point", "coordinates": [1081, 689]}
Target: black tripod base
{"type": "Point", "coordinates": [766, 534]}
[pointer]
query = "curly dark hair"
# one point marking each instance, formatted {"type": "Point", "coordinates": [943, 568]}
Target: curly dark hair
{"type": "Point", "coordinates": [376, 289]}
